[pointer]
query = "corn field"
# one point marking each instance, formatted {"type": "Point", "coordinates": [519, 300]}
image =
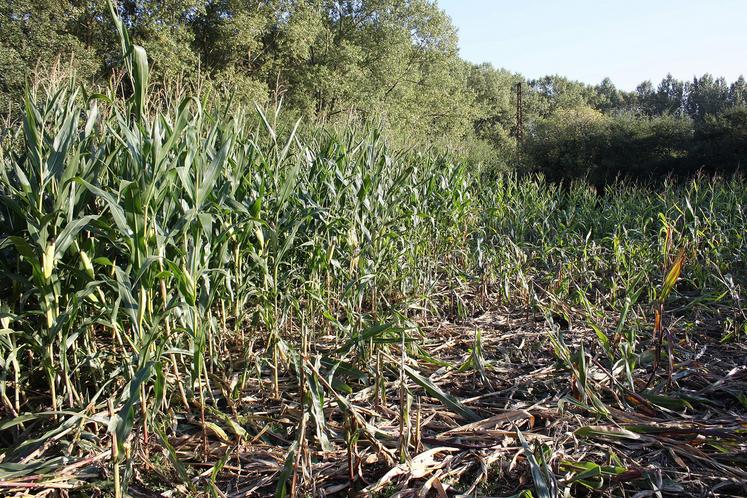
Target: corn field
{"type": "Point", "coordinates": [202, 301]}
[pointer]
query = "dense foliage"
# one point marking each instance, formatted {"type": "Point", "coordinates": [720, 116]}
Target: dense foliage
{"type": "Point", "coordinates": [393, 62]}
{"type": "Point", "coordinates": [164, 264]}
{"type": "Point", "coordinates": [160, 261]}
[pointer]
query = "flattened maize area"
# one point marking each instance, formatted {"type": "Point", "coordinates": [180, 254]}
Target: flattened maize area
{"type": "Point", "coordinates": [196, 302]}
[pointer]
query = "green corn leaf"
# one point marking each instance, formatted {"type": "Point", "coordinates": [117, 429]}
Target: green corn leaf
{"type": "Point", "coordinates": [448, 400]}
{"type": "Point", "coordinates": [281, 489]}
{"type": "Point", "coordinates": [115, 208]}
{"type": "Point", "coordinates": [139, 77]}
{"type": "Point", "coordinates": [68, 234]}
{"type": "Point", "coordinates": [545, 483]}
{"type": "Point", "coordinates": [125, 418]}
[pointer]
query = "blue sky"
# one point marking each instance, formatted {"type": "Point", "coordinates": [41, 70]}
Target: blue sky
{"type": "Point", "coordinates": [629, 40]}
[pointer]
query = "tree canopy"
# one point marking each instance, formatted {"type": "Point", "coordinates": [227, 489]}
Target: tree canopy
{"type": "Point", "coordinates": [390, 61]}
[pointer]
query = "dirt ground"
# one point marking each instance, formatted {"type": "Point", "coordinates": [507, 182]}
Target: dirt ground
{"type": "Point", "coordinates": [526, 427]}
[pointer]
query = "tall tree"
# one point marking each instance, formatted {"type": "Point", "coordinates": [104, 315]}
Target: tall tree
{"type": "Point", "coordinates": [738, 92]}
{"type": "Point", "coordinates": [706, 96]}
{"type": "Point", "coordinates": [646, 98]}
{"type": "Point", "coordinates": [558, 92]}
{"type": "Point", "coordinates": [608, 98]}
{"type": "Point", "coordinates": [670, 96]}
{"type": "Point", "coordinates": [36, 34]}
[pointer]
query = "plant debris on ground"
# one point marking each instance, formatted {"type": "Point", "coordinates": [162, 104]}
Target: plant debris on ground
{"type": "Point", "coordinates": [198, 303]}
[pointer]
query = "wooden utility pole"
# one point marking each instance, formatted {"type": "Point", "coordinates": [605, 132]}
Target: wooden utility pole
{"type": "Point", "coordinates": [519, 115]}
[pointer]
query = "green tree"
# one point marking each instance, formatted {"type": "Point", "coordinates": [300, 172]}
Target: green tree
{"type": "Point", "coordinates": [568, 144]}
{"type": "Point", "coordinates": [556, 92]}
{"type": "Point", "coordinates": [645, 98]}
{"type": "Point", "coordinates": [738, 92]}
{"type": "Point", "coordinates": [608, 98]}
{"type": "Point", "coordinates": [706, 96]}
{"type": "Point", "coordinates": [36, 35]}
{"type": "Point", "coordinates": [670, 96]}
{"type": "Point", "coordinates": [721, 141]}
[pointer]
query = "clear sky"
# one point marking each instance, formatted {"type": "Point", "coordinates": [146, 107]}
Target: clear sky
{"type": "Point", "coordinates": [587, 40]}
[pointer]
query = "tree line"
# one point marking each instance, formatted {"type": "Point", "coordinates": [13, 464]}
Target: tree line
{"type": "Point", "coordinates": [675, 128]}
{"type": "Point", "coordinates": [393, 62]}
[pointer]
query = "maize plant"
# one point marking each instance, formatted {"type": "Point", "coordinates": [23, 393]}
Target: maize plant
{"type": "Point", "coordinates": [161, 260]}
